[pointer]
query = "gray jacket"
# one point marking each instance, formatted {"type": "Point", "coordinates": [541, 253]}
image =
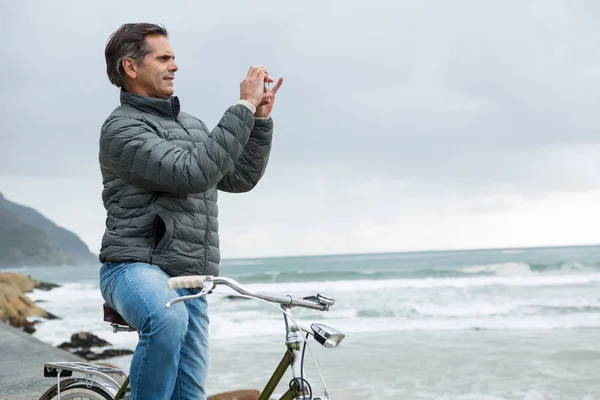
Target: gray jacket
{"type": "Point", "coordinates": [161, 169]}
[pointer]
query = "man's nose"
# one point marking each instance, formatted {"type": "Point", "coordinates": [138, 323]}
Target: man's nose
{"type": "Point", "coordinates": [173, 67]}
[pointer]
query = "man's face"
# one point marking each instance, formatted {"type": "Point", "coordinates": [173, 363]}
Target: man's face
{"type": "Point", "coordinates": [155, 74]}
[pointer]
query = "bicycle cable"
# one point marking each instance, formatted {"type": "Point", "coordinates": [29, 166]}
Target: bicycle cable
{"type": "Point", "coordinates": [302, 365]}
{"type": "Point", "coordinates": [303, 383]}
{"type": "Point", "coordinates": [326, 392]}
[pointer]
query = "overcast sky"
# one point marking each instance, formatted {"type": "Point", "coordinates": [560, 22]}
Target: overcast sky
{"type": "Point", "coordinates": [401, 125]}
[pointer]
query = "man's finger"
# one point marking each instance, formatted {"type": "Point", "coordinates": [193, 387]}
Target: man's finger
{"type": "Point", "coordinates": [254, 71]}
{"type": "Point", "coordinates": [261, 69]}
{"type": "Point", "coordinates": [276, 87]}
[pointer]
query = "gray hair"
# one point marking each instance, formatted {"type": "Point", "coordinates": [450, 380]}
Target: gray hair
{"type": "Point", "coordinates": [129, 41]}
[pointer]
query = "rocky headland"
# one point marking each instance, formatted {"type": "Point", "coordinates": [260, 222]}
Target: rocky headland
{"type": "Point", "coordinates": [28, 238]}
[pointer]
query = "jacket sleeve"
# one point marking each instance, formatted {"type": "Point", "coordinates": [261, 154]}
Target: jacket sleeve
{"type": "Point", "coordinates": [250, 166]}
{"type": "Point", "coordinates": [131, 150]}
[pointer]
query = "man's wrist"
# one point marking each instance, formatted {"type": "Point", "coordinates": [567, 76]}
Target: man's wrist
{"type": "Point", "coordinates": [247, 104]}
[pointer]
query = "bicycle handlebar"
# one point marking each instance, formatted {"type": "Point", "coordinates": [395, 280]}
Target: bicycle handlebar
{"type": "Point", "coordinates": [207, 283]}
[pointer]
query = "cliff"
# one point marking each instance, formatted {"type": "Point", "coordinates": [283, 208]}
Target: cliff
{"type": "Point", "coordinates": [27, 238]}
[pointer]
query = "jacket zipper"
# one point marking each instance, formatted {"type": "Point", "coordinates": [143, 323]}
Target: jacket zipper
{"type": "Point", "coordinates": [181, 125]}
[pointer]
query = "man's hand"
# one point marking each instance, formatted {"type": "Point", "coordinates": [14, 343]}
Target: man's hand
{"type": "Point", "coordinates": [252, 87]}
{"type": "Point", "coordinates": [268, 100]}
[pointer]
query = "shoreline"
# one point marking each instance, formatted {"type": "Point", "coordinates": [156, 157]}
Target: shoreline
{"type": "Point", "coordinates": [19, 311]}
{"type": "Point", "coordinates": [23, 354]}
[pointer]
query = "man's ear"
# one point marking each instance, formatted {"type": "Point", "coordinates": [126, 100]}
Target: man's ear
{"type": "Point", "coordinates": [130, 68]}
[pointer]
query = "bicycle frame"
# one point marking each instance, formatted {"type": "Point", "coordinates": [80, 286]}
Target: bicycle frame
{"type": "Point", "coordinates": [292, 358]}
{"type": "Point", "coordinates": [294, 390]}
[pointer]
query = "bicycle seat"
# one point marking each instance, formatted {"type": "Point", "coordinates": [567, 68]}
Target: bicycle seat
{"type": "Point", "coordinates": [112, 316]}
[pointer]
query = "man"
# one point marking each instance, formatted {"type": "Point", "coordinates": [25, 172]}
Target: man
{"type": "Point", "coordinates": [161, 170]}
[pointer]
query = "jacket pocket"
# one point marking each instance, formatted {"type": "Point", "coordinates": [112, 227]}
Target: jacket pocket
{"type": "Point", "coordinates": [162, 232]}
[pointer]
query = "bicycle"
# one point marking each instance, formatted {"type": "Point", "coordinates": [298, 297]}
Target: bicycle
{"type": "Point", "coordinates": [107, 383]}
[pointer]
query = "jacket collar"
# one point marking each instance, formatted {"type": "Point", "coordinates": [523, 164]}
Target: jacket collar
{"type": "Point", "coordinates": [167, 107]}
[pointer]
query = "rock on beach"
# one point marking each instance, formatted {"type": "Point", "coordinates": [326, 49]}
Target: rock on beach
{"type": "Point", "coordinates": [15, 306]}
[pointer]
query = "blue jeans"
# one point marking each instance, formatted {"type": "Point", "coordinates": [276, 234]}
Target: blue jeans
{"type": "Point", "coordinates": [171, 357]}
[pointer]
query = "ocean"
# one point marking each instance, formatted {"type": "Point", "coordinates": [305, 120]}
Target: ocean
{"type": "Point", "coordinates": [481, 324]}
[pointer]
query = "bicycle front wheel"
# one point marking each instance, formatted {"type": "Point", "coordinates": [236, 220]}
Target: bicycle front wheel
{"type": "Point", "coordinates": [72, 389]}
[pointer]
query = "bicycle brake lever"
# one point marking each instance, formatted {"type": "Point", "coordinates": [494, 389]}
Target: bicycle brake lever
{"type": "Point", "coordinates": [321, 299]}
{"type": "Point", "coordinates": [206, 289]}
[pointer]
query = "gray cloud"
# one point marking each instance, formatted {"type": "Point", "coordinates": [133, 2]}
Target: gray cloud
{"type": "Point", "coordinates": [457, 99]}
{"type": "Point", "coordinates": [394, 87]}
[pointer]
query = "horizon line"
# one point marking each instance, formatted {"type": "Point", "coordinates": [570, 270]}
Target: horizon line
{"type": "Point", "coordinates": [433, 250]}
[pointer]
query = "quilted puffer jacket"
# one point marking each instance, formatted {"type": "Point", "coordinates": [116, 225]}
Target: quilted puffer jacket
{"type": "Point", "coordinates": [162, 169]}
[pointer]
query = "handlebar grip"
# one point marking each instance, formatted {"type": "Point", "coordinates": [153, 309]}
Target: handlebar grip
{"type": "Point", "coordinates": [186, 282]}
